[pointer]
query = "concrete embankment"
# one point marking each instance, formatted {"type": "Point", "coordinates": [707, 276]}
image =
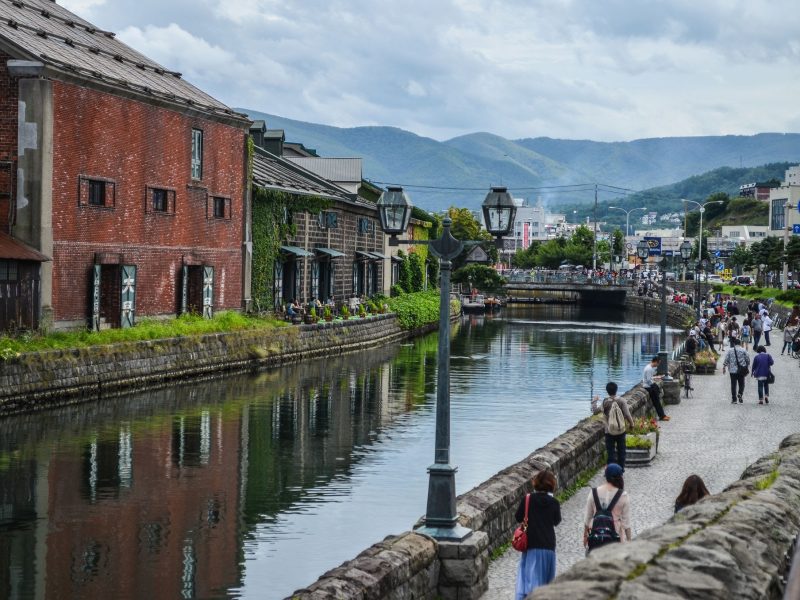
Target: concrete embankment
{"type": "Point", "coordinates": [730, 545]}
{"type": "Point", "coordinates": [52, 378]}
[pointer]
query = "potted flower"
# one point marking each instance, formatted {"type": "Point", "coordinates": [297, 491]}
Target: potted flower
{"type": "Point", "coordinates": [327, 314]}
{"type": "Point", "coordinates": [345, 312]}
{"type": "Point", "coordinates": [705, 361]}
{"type": "Point", "coordinates": [642, 442]}
{"type": "Point", "coordinates": [362, 311]}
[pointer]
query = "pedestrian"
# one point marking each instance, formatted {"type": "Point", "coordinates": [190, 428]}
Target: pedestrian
{"type": "Point", "coordinates": [609, 497]}
{"type": "Point", "coordinates": [737, 363]}
{"type": "Point", "coordinates": [537, 565]}
{"type": "Point", "coordinates": [691, 344]}
{"type": "Point", "coordinates": [758, 328]}
{"type": "Point", "coordinates": [746, 332]}
{"type": "Point", "coordinates": [734, 331]}
{"type": "Point", "coordinates": [693, 490]}
{"type": "Point", "coordinates": [722, 332]}
{"type": "Point", "coordinates": [767, 327]}
{"type": "Point", "coordinates": [650, 383]}
{"type": "Point", "coordinates": [762, 362]}
{"type": "Point", "coordinates": [708, 336]}
{"type": "Point", "coordinates": [615, 416]}
{"type": "Point", "coordinates": [788, 335]}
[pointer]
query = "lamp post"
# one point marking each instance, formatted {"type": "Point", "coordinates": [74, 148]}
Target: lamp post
{"type": "Point", "coordinates": [697, 270]}
{"type": "Point", "coordinates": [643, 250]}
{"type": "Point", "coordinates": [686, 254]}
{"type": "Point", "coordinates": [787, 210]}
{"type": "Point", "coordinates": [763, 273]}
{"type": "Point", "coordinates": [627, 216]}
{"type": "Point", "coordinates": [394, 211]}
{"type": "Point", "coordinates": [702, 210]}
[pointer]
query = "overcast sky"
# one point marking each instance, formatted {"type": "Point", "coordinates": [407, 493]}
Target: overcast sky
{"type": "Point", "coordinates": [581, 69]}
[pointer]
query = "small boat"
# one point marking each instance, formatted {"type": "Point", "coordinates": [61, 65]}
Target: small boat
{"type": "Point", "coordinates": [474, 304]}
{"type": "Point", "coordinates": [492, 304]}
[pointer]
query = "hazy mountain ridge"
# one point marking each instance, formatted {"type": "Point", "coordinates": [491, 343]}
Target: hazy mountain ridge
{"type": "Point", "coordinates": [479, 160]}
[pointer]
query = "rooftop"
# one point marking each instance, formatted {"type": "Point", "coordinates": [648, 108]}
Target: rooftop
{"type": "Point", "coordinates": [276, 173]}
{"type": "Point", "coordinates": [43, 31]}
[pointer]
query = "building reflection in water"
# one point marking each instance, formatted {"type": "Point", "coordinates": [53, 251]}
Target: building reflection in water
{"type": "Point", "coordinates": [154, 494]}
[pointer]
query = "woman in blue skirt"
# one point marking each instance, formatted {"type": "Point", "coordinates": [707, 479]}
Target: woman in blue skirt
{"type": "Point", "coordinates": [538, 563]}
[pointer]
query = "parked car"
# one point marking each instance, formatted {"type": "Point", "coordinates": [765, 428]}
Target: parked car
{"type": "Point", "coordinates": [714, 279]}
{"type": "Point", "coordinates": [743, 280]}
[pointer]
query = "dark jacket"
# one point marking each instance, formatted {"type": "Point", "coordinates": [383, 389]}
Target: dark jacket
{"type": "Point", "coordinates": [544, 513]}
{"type": "Point", "coordinates": [761, 364]}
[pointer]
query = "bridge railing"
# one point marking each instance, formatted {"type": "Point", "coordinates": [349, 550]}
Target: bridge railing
{"type": "Point", "coordinates": [557, 277]}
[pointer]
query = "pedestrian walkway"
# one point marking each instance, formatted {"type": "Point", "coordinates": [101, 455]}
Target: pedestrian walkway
{"type": "Point", "coordinates": [707, 435]}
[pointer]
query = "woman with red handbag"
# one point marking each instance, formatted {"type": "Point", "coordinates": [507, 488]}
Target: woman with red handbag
{"type": "Point", "coordinates": [538, 514]}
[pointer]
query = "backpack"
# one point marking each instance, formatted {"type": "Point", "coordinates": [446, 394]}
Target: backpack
{"type": "Point", "coordinates": [616, 418]}
{"type": "Point", "coordinates": [603, 531]}
{"type": "Point", "coordinates": [745, 330]}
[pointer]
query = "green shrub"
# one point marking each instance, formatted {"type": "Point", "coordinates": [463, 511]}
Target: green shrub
{"type": "Point", "coordinates": [396, 290]}
{"type": "Point", "coordinates": [635, 441]}
{"type": "Point", "coordinates": [417, 309]}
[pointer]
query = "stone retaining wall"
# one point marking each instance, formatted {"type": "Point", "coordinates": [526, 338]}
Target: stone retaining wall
{"type": "Point", "coordinates": [57, 377]}
{"type": "Point", "coordinates": [730, 545]}
{"type": "Point", "coordinates": [678, 315]}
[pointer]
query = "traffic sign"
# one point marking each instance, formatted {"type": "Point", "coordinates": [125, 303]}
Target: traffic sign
{"type": "Point", "coordinates": [720, 266]}
{"type": "Point", "coordinates": [796, 229]}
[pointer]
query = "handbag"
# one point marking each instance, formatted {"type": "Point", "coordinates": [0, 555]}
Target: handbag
{"type": "Point", "coordinates": [770, 377]}
{"type": "Point", "coordinates": [520, 540]}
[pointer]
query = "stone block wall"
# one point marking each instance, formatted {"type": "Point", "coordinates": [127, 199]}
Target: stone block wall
{"type": "Point", "coordinates": [730, 545]}
{"type": "Point", "coordinates": [57, 377]}
{"type": "Point", "coordinates": [678, 315]}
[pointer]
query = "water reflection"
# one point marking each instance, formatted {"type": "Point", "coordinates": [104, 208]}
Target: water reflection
{"type": "Point", "coordinates": [252, 486]}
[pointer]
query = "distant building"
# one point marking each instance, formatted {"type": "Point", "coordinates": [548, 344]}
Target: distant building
{"type": "Point", "coordinates": [780, 216]}
{"type": "Point", "coordinates": [757, 191]}
{"type": "Point", "coordinates": [744, 234]}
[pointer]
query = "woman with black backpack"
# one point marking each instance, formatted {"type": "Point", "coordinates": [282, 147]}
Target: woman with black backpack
{"type": "Point", "coordinates": [608, 512]}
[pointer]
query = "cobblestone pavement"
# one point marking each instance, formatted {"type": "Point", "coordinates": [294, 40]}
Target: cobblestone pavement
{"type": "Point", "coordinates": [707, 435]}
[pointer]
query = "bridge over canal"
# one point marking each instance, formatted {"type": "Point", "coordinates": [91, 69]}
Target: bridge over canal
{"type": "Point", "coordinates": [563, 291]}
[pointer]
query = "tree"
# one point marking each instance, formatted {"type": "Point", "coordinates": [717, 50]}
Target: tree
{"type": "Point", "coordinates": [481, 277]}
{"type": "Point", "coordinates": [417, 272]}
{"type": "Point", "coordinates": [618, 242]}
{"type": "Point", "coordinates": [551, 253]}
{"type": "Point", "coordinates": [525, 258]}
{"type": "Point", "coordinates": [466, 227]}
{"type": "Point", "coordinates": [580, 247]}
{"type": "Point", "coordinates": [603, 252]}
{"type": "Point", "coordinates": [405, 279]}
{"type": "Point", "coordinates": [741, 258]}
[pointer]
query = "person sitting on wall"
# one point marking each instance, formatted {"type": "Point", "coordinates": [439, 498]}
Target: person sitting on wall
{"type": "Point", "coordinates": [293, 310]}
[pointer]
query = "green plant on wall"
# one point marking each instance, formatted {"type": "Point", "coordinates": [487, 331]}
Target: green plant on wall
{"type": "Point", "coordinates": [417, 267]}
{"type": "Point", "coordinates": [273, 213]}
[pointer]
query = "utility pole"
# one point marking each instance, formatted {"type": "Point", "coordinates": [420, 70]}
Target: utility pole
{"type": "Point", "coordinates": [787, 210]}
{"type": "Point", "coordinates": [594, 246]}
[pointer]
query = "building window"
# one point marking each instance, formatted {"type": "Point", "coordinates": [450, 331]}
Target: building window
{"type": "Point", "coordinates": [218, 207]}
{"type": "Point", "coordinates": [96, 192]}
{"type": "Point", "coordinates": [8, 270]}
{"type": "Point", "coordinates": [160, 200]}
{"type": "Point", "coordinates": [197, 153]}
{"type": "Point", "coordinates": [778, 215]}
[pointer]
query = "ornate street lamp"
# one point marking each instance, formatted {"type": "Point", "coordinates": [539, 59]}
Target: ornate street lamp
{"type": "Point", "coordinates": [441, 518]}
{"type": "Point", "coordinates": [686, 254]}
{"type": "Point", "coordinates": [499, 211]}
{"type": "Point", "coordinates": [643, 250]}
{"type": "Point", "coordinates": [394, 212]}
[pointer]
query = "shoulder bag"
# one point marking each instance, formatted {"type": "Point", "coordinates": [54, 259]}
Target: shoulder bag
{"type": "Point", "coordinates": [770, 377]}
{"type": "Point", "coordinates": [520, 540]}
{"type": "Point", "coordinates": [741, 369]}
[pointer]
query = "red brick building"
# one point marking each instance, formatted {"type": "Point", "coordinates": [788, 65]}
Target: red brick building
{"type": "Point", "coordinates": [132, 180]}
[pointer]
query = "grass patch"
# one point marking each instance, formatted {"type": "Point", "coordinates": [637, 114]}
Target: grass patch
{"type": "Point", "coordinates": [786, 298]}
{"type": "Point", "coordinates": [145, 329]}
{"type": "Point", "coordinates": [767, 481]}
{"type": "Point", "coordinates": [499, 551]}
{"type": "Point", "coordinates": [582, 479]}
{"type": "Point", "coordinates": [635, 441]}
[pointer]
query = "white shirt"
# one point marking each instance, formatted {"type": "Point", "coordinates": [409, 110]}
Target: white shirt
{"type": "Point", "coordinates": [647, 375]}
{"type": "Point", "coordinates": [767, 323]}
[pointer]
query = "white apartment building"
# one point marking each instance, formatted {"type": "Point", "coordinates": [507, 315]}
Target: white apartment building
{"type": "Point", "coordinates": [784, 203]}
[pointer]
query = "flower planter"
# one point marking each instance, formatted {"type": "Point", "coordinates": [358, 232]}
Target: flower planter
{"type": "Point", "coordinates": [642, 457]}
{"type": "Point", "coordinates": [705, 369]}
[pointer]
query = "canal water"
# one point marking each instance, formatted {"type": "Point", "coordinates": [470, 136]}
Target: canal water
{"type": "Point", "coordinates": [253, 486]}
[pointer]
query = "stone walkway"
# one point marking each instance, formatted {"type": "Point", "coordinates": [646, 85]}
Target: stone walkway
{"type": "Point", "coordinates": [707, 435]}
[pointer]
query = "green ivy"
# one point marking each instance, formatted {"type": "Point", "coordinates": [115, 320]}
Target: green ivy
{"type": "Point", "coordinates": [417, 272]}
{"type": "Point", "coordinates": [273, 213]}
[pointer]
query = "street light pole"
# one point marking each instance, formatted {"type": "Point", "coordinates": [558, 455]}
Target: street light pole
{"type": "Point", "coordinates": [700, 235]}
{"type": "Point", "coordinates": [786, 212]}
{"type": "Point", "coordinates": [627, 216]}
{"type": "Point", "coordinates": [394, 211]}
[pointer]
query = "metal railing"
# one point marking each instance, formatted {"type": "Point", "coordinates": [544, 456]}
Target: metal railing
{"type": "Point", "coordinates": [557, 277]}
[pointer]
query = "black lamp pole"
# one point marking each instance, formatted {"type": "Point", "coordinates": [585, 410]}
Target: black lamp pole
{"type": "Point", "coordinates": [441, 517]}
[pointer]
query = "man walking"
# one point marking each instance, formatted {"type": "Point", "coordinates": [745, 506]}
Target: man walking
{"type": "Point", "coordinates": [737, 363]}
{"type": "Point", "coordinates": [649, 381]}
{"type": "Point", "coordinates": [615, 415]}
{"type": "Point", "coordinates": [767, 327]}
{"type": "Point", "coordinates": [757, 325]}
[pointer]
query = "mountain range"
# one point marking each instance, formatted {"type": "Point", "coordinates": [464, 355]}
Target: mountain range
{"type": "Point", "coordinates": [459, 171]}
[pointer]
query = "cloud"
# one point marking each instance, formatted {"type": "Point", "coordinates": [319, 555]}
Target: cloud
{"type": "Point", "coordinates": [566, 68]}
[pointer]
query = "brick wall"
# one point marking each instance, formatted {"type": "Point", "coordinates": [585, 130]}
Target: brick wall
{"type": "Point", "coordinates": [9, 97]}
{"type": "Point", "coordinates": [136, 146]}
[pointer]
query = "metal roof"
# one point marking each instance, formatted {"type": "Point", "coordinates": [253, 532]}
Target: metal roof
{"type": "Point", "coordinates": [13, 249]}
{"type": "Point", "coordinates": [329, 252]}
{"type": "Point", "coordinates": [44, 31]}
{"type": "Point", "coordinates": [296, 250]}
{"type": "Point", "coordinates": [275, 173]}
{"type": "Point", "coordinates": [332, 169]}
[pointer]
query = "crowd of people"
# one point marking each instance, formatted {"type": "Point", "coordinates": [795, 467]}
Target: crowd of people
{"type": "Point", "coordinates": [608, 506]}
